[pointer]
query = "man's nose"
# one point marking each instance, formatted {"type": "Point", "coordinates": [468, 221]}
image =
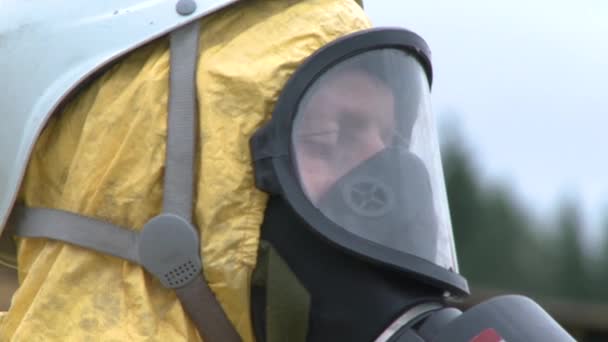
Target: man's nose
{"type": "Point", "coordinates": [370, 144]}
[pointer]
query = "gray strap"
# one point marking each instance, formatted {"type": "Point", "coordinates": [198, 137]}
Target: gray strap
{"type": "Point", "coordinates": [198, 301]}
{"type": "Point", "coordinates": [181, 125]}
{"type": "Point", "coordinates": [147, 248]}
{"type": "Point", "coordinates": [196, 296]}
{"type": "Point", "coordinates": [76, 229]}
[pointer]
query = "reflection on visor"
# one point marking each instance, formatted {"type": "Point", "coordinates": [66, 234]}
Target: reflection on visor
{"type": "Point", "coordinates": [348, 119]}
{"type": "Point", "coordinates": [386, 199]}
{"type": "Point", "coordinates": [351, 140]}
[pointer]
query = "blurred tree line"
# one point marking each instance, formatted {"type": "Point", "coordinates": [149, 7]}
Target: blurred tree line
{"type": "Point", "coordinates": [501, 245]}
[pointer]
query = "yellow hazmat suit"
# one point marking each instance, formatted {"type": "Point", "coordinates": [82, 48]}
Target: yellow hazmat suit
{"type": "Point", "coordinates": [102, 156]}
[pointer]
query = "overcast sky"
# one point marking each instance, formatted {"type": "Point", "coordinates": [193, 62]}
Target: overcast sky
{"type": "Point", "coordinates": [528, 82]}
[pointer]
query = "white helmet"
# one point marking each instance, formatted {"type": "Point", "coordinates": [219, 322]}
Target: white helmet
{"type": "Point", "coordinates": [88, 36]}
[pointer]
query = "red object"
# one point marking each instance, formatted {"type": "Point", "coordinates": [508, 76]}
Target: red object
{"type": "Point", "coordinates": [488, 335]}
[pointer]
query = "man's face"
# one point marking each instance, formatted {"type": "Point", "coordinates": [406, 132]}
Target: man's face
{"type": "Point", "coordinates": [347, 119]}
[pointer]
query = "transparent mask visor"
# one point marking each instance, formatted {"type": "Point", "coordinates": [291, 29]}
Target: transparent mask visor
{"type": "Point", "coordinates": [365, 147]}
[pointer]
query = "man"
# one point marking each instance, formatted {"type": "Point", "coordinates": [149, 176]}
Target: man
{"type": "Point", "coordinates": [102, 156]}
{"type": "Point", "coordinates": [354, 221]}
{"type": "Point", "coordinates": [352, 114]}
{"type": "Point", "coordinates": [348, 118]}
{"type": "Point", "coordinates": [354, 242]}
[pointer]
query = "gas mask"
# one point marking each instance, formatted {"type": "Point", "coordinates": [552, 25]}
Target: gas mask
{"type": "Point", "coordinates": [357, 243]}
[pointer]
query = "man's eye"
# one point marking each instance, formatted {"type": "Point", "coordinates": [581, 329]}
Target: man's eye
{"type": "Point", "coordinates": [317, 147]}
{"type": "Point", "coordinates": [352, 125]}
{"type": "Point", "coordinates": [349, 136]}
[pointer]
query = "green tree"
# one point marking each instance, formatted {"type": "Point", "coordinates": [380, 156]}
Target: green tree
{"type": "Point", "coordinates": [500, 244]}
{"type": "Point", "coordinates": [507, 240]}
{"type": "Point", "coordinates": [465, 200]}
{"type": "Point", "coordinates": [573, 279]}
{"type": "Point", "coordinates": [600, 267]}
{"type": "Point", "coordinates": [489, 227]}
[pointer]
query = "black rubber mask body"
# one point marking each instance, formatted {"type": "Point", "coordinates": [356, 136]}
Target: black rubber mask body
{"type": "Point", "coordinates": [387, 200]}
{"type": "Point", "coordinates": [352, 298]}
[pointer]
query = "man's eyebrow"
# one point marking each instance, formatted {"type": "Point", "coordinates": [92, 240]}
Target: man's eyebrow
{"type": "Point", "coordinates": [314, 134]}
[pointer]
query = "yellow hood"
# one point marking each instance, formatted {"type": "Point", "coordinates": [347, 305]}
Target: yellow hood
{"type": "Point", "coordinates": [103, 155]}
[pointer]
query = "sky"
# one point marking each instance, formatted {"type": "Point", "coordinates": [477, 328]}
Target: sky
{"type": "Point", "coordinates": [527, 83]}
